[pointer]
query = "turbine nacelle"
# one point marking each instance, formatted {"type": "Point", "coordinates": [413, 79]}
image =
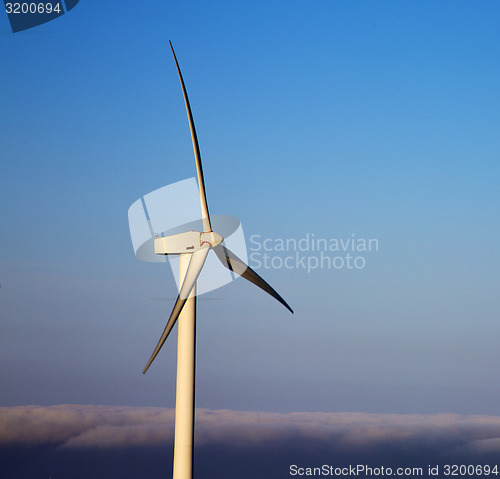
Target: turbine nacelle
{"type": "Point", "coordinates": [187, 242]}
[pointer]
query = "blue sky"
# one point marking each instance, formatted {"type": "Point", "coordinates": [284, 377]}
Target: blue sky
{"type": "Point", "coordinates": [333, 118]}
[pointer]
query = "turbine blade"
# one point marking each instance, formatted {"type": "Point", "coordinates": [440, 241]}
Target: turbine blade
{"type": "Point", "coordinates": [193, 271]}
{"type": "Point", "coordinates": [199, 170]}
{"type": "Point", "coordinates": [233, 263]}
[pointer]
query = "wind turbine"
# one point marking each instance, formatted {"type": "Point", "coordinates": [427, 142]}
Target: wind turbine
{"type": "Point", "coordinates": [193, 248]}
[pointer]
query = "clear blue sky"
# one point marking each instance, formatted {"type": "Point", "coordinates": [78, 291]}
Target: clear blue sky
{"type": "Point", "coordinates": [333, 118]}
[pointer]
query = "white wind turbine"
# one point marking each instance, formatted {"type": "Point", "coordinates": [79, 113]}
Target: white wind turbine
{"type": "Point", "coordinates": [193, 248]}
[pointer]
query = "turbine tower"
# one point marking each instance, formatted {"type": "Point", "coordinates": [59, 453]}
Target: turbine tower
{"type": "Point", "coordinates": [193, 248]}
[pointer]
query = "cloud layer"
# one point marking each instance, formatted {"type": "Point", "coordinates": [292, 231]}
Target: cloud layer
{"type": "Point", "coordinates": [233, 443]}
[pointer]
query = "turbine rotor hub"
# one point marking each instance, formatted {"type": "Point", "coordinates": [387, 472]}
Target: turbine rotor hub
{"type": "Point", "coordinates": [212, 238]}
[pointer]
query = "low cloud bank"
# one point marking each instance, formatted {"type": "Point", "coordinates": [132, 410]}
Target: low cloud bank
{"type": "Point", "coordinates": [233, 443]}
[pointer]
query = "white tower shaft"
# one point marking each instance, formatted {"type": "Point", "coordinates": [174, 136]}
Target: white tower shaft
{"type": "Point", "coordinates": [186, 366]}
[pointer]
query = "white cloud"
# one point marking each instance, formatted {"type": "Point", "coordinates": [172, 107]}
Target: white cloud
{"type": "Point", "coordinates": [77, 426]}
